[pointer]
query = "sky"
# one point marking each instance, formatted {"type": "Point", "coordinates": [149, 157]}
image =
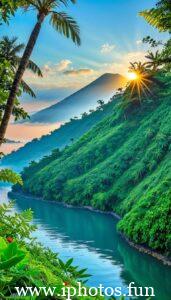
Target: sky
{"type": "Point", "coordinates": [111, 34]}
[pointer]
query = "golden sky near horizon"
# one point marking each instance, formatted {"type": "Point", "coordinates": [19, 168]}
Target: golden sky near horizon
{"type": "Point", "coordinates": [24, 133]}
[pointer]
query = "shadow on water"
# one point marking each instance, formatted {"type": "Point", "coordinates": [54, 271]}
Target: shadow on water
{"type": "Point", "coordinates": [92, 240]}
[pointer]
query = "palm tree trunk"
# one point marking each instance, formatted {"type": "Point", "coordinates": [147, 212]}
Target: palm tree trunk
{"type": "Point", "coordinates": [18, 77]}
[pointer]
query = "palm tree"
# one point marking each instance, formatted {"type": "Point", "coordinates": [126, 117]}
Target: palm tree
{"type": "Point", "coordinates": [9, 50]}
{"type": "Point", "coordinates": [61, 22]}
{"type": "Point", "coordinates": [142, 84]}
{"type": "Point", "coordinates": [100, 102]}
{"type": "Point", "coordinates": [84, 115]}
{"type": "Point", "coordinates": [154, 60]}
{"type": "Point", "coordinates": [138, 67]}
{"type": "Point", "coordinates": [139, 85]}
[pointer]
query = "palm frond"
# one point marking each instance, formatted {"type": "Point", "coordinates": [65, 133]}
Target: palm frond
{"type": "Point", "coordinates": [153, 17]}
{"type": "Point", "coordinates": [65, 2]}
{"type": "Point", "coordinates": [66, 25]}
{"type": "Point", "coordinates": [11, 43]}
{"type": "Point", "coordinates": [18, 48]}
{"type": "Point", "coordinates": [27, 89]}
{"type": "Point", "coordinates": [7, 175]}
{"type": "Point", "coordinates": [157, 18]}
{"type": "Point", "coordinates": [73, 1]}
{"type": "Point", "coordinates": [7, 40]}
{"type": "Point", "coordinates": [19, 113]}
{"type": "Point", "coordinates": [27, 4]}
{"type": "Point", "coordinates": [34, 68]}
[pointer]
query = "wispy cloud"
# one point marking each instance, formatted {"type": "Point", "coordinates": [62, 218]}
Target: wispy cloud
{"type": "Point", "coordinates": [49, 69]}
{"type": "Point", "coordinates": [54, 76]}
{"type": "Point", "coordinates": [139, 42]}
{"type": "Point", "coordinates": [63, 65]}
{"type": "Point", "coordinates": [78, 72]}
{"type": "Point", "coordinates": [107, 48]}
{"type": "Point", "coordinates": [121, 64]}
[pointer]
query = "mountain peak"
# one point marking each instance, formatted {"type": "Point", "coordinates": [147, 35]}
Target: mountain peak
{"type": "Point", "coordinates": [81, 101]}
{"type": "Point", "coordinates": [108, 77]}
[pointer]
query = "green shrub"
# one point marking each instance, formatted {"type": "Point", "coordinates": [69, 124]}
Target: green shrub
{"type": "Point", "coordinates": [24, 262]}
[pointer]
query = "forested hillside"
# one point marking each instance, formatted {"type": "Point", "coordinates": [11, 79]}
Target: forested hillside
{"type": "Point", "coordinates": [123, 164]}
{"type": "Point", "coordinates": [59, 138]}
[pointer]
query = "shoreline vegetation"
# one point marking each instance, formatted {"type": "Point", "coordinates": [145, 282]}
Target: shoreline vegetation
{"type": "Point", "coordinates": [165, 260]}
{"type": "Point", "coordinates": [121, 165]}
{"type": "Point", "coordinates": [24, 262]}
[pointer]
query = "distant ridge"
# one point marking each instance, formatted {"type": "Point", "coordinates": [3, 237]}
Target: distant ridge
{"type": "Point", "coordinates": [82, 100]}
{"type": "Point", "coordinates": [8, 141]}
{"type": "Point", "coordinates": [58, 138]}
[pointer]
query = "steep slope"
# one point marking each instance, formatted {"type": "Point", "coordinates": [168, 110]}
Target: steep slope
{"type": "Point", "coordinates": [122, 164]}
{"type": "Point", "coordinates": [81, 101]}
{"type": "Point", "coordinates": [59, 138]}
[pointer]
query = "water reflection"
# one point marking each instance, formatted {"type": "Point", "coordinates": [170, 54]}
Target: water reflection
{"type": "Point", "coordinates": [92, 240]}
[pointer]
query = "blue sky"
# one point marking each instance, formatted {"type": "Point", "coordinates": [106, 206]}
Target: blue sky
{"type": "Point", "coordinates": [111, 33]}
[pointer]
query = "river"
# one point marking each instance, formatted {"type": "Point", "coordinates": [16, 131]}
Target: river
{"type": "Point", "coordinates": [92, 240]}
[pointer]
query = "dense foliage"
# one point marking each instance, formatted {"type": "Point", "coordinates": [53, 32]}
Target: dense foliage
{"type": "Point", "coordinates": [159, 16]}
{"type": "Point", "coordinates": [7, 9]}
{"type": "Point", "coordinates": [9, 61]}
{"type": "Point", "coordinates": [123, 164]}
{"type": "Point", "coordinates": [29, 264]}
{"type": "Point", "coordinates": [6, 78]}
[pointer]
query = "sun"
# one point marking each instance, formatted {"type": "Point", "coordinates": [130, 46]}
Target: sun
{"type": "Point", "coordinates": [132, 76]}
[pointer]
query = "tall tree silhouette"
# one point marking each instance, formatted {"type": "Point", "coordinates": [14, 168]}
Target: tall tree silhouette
{"type": "Point", "coordinates": [61, 22]}
{"type": "Point", "coordinates": [10, 50]}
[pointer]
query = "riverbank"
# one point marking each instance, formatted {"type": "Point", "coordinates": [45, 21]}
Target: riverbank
{"type": "Point", "coordinates": [29, 263]}
{"type": "Point", "coordinates": [141, 248]}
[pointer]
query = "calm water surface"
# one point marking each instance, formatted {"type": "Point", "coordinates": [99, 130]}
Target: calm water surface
{"type": "Point", "coordinates": [92, 240]}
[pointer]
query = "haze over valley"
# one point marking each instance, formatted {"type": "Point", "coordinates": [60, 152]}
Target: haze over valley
{"type": "Point", "coordinates": [52, 117]}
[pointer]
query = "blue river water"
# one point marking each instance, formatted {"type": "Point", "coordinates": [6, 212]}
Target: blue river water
{"type": "Point", "coordinates": [92, 240]}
